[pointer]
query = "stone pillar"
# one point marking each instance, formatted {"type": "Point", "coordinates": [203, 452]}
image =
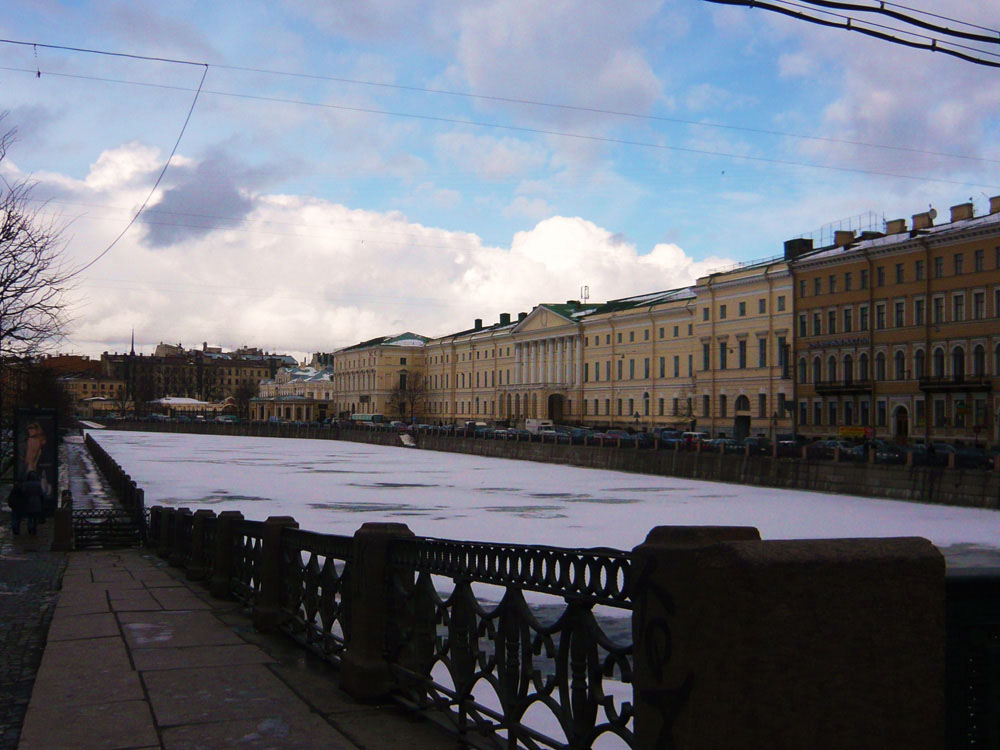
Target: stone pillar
{"type": "Point", "coordinates": [166, 533]}
{"type": "Point", "coordinates": [155, 524]}
{"type": "Point", "coordinates": [62, 530]}
{"type": "Point", "coordinates": [364, 672]}
{"type": "Point", "coordinates": [196, 565]}
{"type": "Point", "coordinates": [267, 609]}
{"type": "Point", "coordinates": [560, 374]}
{"type": "Point", "coordinates": [748, 644]}
{"type": "Point", "coordinates": [222, 570]}
{"type": "Point", "coordinates": [182, 522]}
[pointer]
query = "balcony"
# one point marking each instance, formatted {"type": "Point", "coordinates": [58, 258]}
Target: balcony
{"type": "Point", "coordinates": [842, 387]}
{"type": "Point", "coordinates": [945, 383]}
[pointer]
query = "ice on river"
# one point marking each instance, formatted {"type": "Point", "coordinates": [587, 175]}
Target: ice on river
{"type": "Point", "coordinates": [334, 486]}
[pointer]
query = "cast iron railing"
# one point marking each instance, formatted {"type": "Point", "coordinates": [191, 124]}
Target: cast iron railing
{"type": "Point", "coordinates": [518, 673]}
{"type": "Point", "coordinates": [246, 552]}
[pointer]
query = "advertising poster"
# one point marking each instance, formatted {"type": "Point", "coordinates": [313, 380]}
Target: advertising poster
{"type": "Point", "coordinates": [36, 445]}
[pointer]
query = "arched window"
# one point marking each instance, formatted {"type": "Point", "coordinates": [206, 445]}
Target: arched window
{"type": "Point", "coordinates": [880, 366]}
{"type": "Point", "coordinates": [918, 364]}
{"type": "Point", "coordinates": [831, 369]}
{"type": "Point", "coordinates": [979, 361]}
{"type": "Point", "coordinates": [817, 370]}
{"type": "Point", "coordinates": [863, 367]}
{"type": "Point", "coordinates": [848, 368]}
{"type": "Point", "coordinates": [939, 362]}
{"type": "Point", "coordinates": [802, 368]}
{"type": "Point", "coordinates": [899, 366]}
{"type": "Point", "coordinates": [742, 403]}
{"type": "Point", "coordinates": [958, 363]}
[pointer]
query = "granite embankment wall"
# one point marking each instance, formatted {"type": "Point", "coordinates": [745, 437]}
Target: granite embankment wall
{"type": "Point", "coordinates": [965, 487]}
{"type": "Point", "coordinates": [976, 488]}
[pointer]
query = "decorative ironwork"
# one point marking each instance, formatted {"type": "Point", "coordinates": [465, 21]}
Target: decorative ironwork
{"type": "Point", "coordinates": [597, 575]}
{"type": "Point", "coordinates": [248, 541]}
{"type": "Point", "coordinates": [499, 669]}
{"type": "Point", "coordinates": [106, 527]}
{"type": "Point", "coordinates": [315, 590]}
{"type": "Point", "coordinates": [208, 547]}
{"type": "Point", "coordinates": [183, 526]}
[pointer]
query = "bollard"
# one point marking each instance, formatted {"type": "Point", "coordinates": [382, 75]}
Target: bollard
{"type": "Point", "coordinates": [364, 671]}
{"type": "Point", "coordinates": [195, 570]}
{"type": "Point", "coordinates": [62, 529]}
{"type": "Point", "coordinates": [267, 609]}
{"type": "Point", "coordinates": [166, 533]}
{"type": "Point", "coordinates": [155, 524]}
{"type": "Point", "coordinates": [179, 548]}
{"type": "Point", "coordinates": [951, 460]}
{"type": "Point", "coordinates": [222, 570]}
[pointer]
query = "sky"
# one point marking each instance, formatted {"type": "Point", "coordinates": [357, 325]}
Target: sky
{"type": "Point", "coordinates": [352, 170]}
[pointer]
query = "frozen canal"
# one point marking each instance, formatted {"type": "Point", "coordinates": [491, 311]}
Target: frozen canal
{"type": "Point", "coordinates": [335, 486]}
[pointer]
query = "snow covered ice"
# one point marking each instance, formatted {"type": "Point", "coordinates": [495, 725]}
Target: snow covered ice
{"type": "Point", "coordinates": [334, 486]}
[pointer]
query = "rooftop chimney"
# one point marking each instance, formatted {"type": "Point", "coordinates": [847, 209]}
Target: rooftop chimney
{"type": "Point", "coordinates": [962, 211]}
{"type": "Point", "coordinates": [843, 237]}
{"type": "Point", "coordinates": [795, 248]}
{"type": "Point", "coordinates": [995, 204]}
{"type": "Point", "coordinates": [521, 316]}
{"type": "Point", "coordinates": [479, 323]}
{"type": "Point", "coordinates": [896, 226]}
{"type": "Point", "coordinates": [924, 220]}
{"type": "Point", "coordinates": [505, 319]}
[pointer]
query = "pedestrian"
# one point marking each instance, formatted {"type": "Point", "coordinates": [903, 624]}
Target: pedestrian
{"type": "Point", "coordinates": [32, 501]}
{"type": "Point", "coordinates": [15, 501]}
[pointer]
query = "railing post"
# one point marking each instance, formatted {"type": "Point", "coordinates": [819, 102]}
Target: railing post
{"type": "Point", "coordinates": [177, 552]}
{"type": "Point", "coordinates": [364, 671]}
{"type": "Point", "coordinates": [196, 565]}
{"type": "Point", "coordinates": [62, 530]}
{"type": "Point", "coordinates": [155, 524]}
{"type": "Point", "coordinates": [267, 608]}
{"type": "Point", "coordinates": [166, 533]}
{"type": "Point", "coordinates": [222, 570]}
{"type": "Point", "coordinates": [744, 644]}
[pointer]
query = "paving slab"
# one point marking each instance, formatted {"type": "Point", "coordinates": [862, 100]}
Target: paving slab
{"type": "Point", "coordinates": [134, 600]}
{"type": "Point", "coordinates": [80, 627]}
{"type": "Point", "coordinates": [197, 656]}
{"type": "Point", "coordinates": [81, 685]}
{"type": "Point", "coordinates": [304, 732]}
{"type": "Point", "coordinates": [96, 654]}
{"type": "Point", "coordinates": [186, 696]}
{"type": "Point", "coordinates": [178, 598]}
{"type": "Point", "coordinates": [178, 629]}
{"type": "Point", "coordinates": [77, 597]}
{"type": "Point", "coordinates": [110, 726]}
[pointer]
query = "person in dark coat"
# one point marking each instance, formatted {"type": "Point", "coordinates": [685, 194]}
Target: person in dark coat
{"type": "Point", "coordinates": [32, 501]}
{"type": "Point", "coordinates": [15, 501]}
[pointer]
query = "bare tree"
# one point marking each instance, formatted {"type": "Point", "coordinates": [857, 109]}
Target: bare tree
{"type": "Point", "coordinates": [408, 395]}
{"type": "Point", "coordinates": [33, 279]}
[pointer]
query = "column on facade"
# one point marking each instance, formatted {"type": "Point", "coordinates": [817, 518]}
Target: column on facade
{"type": "Point", "coordinates": [517, 363]}
{"type": "Point", "coordinates": [560, 342]}
{"type": "Point", "coordinates": [533, 377]}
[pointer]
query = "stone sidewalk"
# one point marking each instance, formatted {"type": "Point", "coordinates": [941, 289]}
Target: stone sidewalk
{"type": "Point", "coordinates": [139, 658]}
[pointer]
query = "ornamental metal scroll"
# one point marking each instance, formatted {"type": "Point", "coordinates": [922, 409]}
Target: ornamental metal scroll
{"type": "Point", "coordinates": [496, 670]}
{"type": "Point", "coordinates": [105, 527]}
{"type": "Point", "coordinates": [315, 591]}
{"type": "Point", "coordinates": [248, 542]}
{"type": "Point", "coordinates": [597, 575]}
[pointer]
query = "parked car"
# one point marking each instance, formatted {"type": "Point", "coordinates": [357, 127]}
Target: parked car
{"type": "Point", "coordinates": [759, 446]}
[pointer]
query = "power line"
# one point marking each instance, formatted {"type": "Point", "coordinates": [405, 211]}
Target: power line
{"type": "Point", "coordinates": [544, 131]}
{"type": "Point", "coordinates": [993, 38]}
{"type": "Point", "coordinates": [105, 53]}
{"type": "Point", "coordinates": [511, 100]}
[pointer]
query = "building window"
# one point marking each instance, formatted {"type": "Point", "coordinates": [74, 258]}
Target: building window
{"type": "Point", "coordinates": [918, 364]}
{"type": "Point", "coordinates": [742, 353]}
{"type": "Point", "coordinates": [817, 370]}
{"type": "Point", "coordinates": [899, 313]}
{"type": "Point", "coordinates": [802, 370]}
{"type": "Point", "coordinates": [831, 370]}
{"type": "Point", "coordinates": [832, 284]}
{"type": "Point", "coordinates": [880, 366]}
{"type": "Point", "coordinates": [817, 413]}
{"type": "Point", "coordinates": [645, 367]}
{"type": "Point", "coordinates": [939, 413]}
{"type": "Point", "coordinates": [978, 260]}
{"type": "Point", "coordinates": [918, 270]}
{"type": "Point", "coordinates": [661, 332]}
{"type": "Point", "coordinates": [619, 405]}
{"type": "Point", "coordinates": [863, 318]}
{"type": "Point", "coordinates": [706, 405]}
{"type": "Point", "coordinates": [675, 331]}
{"type": "Point", "coordinates": [677, 366]}
{"type": "Point", "coordinates": [848, 281]}
{"type": "Point", "coordinates": [979, 361]}
{"type": "Point", "coordinates": [848, 319]}
{"type": "Point", "coordinates": [722, 405]}
{"type": "Point", "coordinates": [864, 278]}
{"type": "Point", "coordinates": [803, 412]}
{"type": "Point", "coordinates": [722, 355]}
{"type": "Point", "coordinates": [918, 312]}
{"type": "Point", "coordinates": [722, 312]}
{"type": "Point", "coordinates": [761, 352]}
{"type": "Point", "coordinates": [921, 412]}
{"type": "Point", "coordinates": [899, 273]}
{"type": "Point", "coordinates": [663, 367]}
{"type": "Point", "coordinates": [645, 334]}
{"type": "Point", "coordinates": [619, 337]}
{"type": "Point", "coordinates": [631, 369]}
{"type": "Point", "coordinates": [761, 306]}
{"type": "Point", "coordinates": [899, 366]}
{"type": "Point", "coordinates": [586, 372]}
{"type": "Point", "coordinates": [865, 418]}
{"type": "Point", "coordinates": [939, 267]}
{"type": "Point", "coordinates": [781, 303]}
{"type": "Point", "coordinates": [704, 313]}
{"type": "Point", "coordinates": [958, 308]}
{"type": "Point", "coordinates": [831, 321]}
{"type": "Point", "coordinates": [979, 305]}
{"type": "Point", "coordinates": [959, 263]}
{"type": "Point", "coordinates": [938, 309]}
{"type": "Point", "coordinates": [802, 325]}
{"type": "Point", "coordinates": [880, 406]}
{"type": "Point", "coordinates": [938, 362]}
{"type": "Point", "coordinates": [880, 316]}
{"type": "Point", "coordinates": [762, 405]}
{"type": "Point", "coordinates": [743, 309]}
{"type": "Point", "coordinates": [880, 276]}
{"type": "Point", "coordinates": [817, 324]}
{"type": "Point", "coordinates": [802, 288]}
{"type": "Point", "coordinates": [619, 369]}
{"type": "Point", "coordinates": [832, 411]}
{"type": "Point", "coordinates": [817, 286]}
{"type": "Point", "coordinates": [706, 357]}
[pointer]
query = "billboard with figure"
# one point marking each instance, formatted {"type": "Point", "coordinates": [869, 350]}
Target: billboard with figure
{"type": "Point", "coordinates": [36, 451]}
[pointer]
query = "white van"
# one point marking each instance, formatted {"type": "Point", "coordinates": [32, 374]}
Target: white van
{"type": "Point", "coordinates": [534, 425]}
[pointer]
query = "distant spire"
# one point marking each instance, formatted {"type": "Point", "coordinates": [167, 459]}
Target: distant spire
{"type": "Point", "coordinates": [133, 343]}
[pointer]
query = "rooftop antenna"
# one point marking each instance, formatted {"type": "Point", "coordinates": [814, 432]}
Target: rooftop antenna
{"type": "Point", "coordinates": [585, 293]}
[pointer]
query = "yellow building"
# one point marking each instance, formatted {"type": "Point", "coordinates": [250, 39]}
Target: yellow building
{"type": "Point", "coordinates": [743, 328]}
{"type": "Point", "coordinates": [295, 394]}
{"type": "Point", "coordinates": [378, 375]}
{"type": "Point", "coordinates": [898, 333]}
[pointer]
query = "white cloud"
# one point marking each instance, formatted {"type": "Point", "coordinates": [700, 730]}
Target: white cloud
{"type": "Point", "coordinates": [304, 274]}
